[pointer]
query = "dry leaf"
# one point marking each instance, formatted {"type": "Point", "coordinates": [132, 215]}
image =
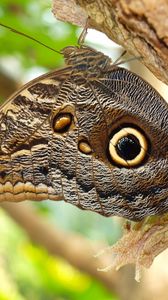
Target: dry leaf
{"type": "Point", "coordinates": [140, 244]}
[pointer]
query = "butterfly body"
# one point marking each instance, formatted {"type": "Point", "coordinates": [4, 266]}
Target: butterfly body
{"type": "Point", "coordinates": [69, 135]}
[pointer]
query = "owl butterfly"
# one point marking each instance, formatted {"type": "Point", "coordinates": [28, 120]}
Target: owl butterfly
{"type": "Point", "coordinates": [92, 134]}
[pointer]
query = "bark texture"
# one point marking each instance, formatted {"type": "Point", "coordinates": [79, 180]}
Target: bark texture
{"type": "Point", "coordinates": [140, 26]}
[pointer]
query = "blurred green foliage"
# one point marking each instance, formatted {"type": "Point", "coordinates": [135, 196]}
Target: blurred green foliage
{"type": "Point", "coordinates": [26, 271]}
{"type": "Point", "coordinates": [35, 19]}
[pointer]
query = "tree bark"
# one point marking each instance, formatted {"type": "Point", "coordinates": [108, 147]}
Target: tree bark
{"type": "Point", "coordinates": [140, 26]}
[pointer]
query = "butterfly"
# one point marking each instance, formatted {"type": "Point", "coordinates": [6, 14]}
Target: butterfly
{"type": "Point", "coordinates": [92, 134]}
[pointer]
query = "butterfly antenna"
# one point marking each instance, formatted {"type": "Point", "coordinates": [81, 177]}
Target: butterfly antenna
{"type": "Point", "coordinates": [118, 61]}
{"type": "Point", "coordinates": [29, 37]}
{"type": "Point", "coordinates": [83, 34]}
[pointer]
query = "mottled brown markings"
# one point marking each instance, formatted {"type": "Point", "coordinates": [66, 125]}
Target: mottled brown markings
{"type": "Point", "coordinates": [33, 132]}
{"type": "Point", "coordinates": [107, 134]}
{"type": "Point", "coordinates": [21, 100]}
{"type": "Point", "coordinates": [44, 90]}
{"type": "Point", "coordinates": [88, 187]}
{"type": "Point", "coordinates": [76, 165]}
{"type": "Point", "coordinates": [64, 108]}
{"type": "Point", "coordinates": [2, 174]}
{"type": "Point", "coordinates": [93, 185]}
{"type": "Point", "coordinates": [138, 95]}
{"type": "Point", "coordinates": [77, 178]}
{"type": "Point", "coordinates": [72, 110]}
{"type": "Point", "coordinates": [44, 170]}
{"type": "Point", "coordinates": [51, 161]}
{"type": "Point", "coordinates": [18, 159]}
{"type": "Point", "coordinates": [61, 164]}
{"type": "Point", "coordinates": [32, 143]}
{"type": "Point", "coordinates": [24, 102]}
{"type": "Point", "coordinates": [40, 156]}
{"type": "Point", "coordinates": [93, 169]}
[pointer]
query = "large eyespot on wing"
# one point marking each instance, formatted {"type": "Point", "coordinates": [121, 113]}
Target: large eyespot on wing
{"type": "Point", "coordinates": [128, 147]}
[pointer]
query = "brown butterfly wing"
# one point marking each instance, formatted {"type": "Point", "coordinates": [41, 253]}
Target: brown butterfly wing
{"type": "Point", "coordinates": [24, 138]}
{"type": "Point", "coordinates": [43, 127]}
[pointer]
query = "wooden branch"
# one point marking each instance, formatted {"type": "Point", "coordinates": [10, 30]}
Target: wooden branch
{"type": "Point", "coordinates": [140, 26]}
